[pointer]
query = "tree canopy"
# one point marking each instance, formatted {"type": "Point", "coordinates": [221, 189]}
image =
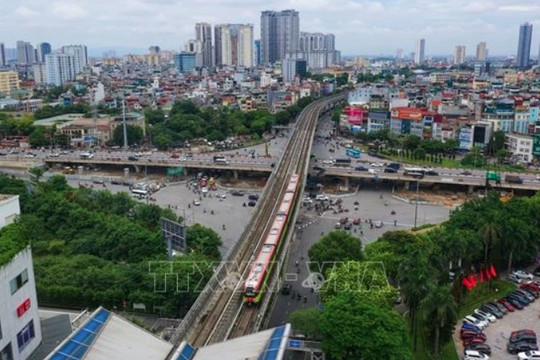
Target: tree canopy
{"type": "Point", "coordinates": [334, 248]}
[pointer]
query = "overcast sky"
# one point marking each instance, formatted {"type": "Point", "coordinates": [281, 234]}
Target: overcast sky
{"type": "Point", "coordinates": [361, 27]}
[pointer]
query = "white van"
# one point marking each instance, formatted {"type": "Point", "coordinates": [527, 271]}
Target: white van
{"type": "Point", "coordinates": [321, 197]}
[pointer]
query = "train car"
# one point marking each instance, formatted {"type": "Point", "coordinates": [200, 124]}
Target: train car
{"type": "Point", "coordinates": [264, 262]}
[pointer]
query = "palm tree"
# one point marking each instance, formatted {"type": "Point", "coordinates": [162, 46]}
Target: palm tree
{"type": "Point", "coordinates": [490, 233]}
{"type": "Point", "coordinates": [440, 312]}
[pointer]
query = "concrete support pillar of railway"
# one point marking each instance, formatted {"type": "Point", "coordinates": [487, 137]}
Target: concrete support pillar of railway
{"type": "Point", "coordinates": [235, 174]}
{"type": "Point", "coordinates": [346, 181]}
{"type": "Point", "coordinates": [137, 169]}
{"type": "Point", "coordinates": [407, 184]}
{"type": "Point", "coordinates": [186, 172]}
{"type": "Point", "coordinates": [471, 189]}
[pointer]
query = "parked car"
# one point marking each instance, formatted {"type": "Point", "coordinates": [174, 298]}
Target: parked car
{"type": "Point", "coordinates": [506, 304]}
{"type": "Point", "coordinates": [536, 271]}
{"type": "Point", "coordinates": [514, 278]}
{"type": "Point", "coordinates": [480, 317]}
{"type": "Point", "coordinates": [493, 310]}
{"type": "Point", "coordinates": [514, 348]}
{"type": "Point", "coordinates": [515, 302]}
{"type": "Point", "coordinates": [530, 286]}
{"type": "Point", "coordinates": [286, 289]}
{"type": "Point", "coordinates": [481, 324]}
{"type": "Point", "coordinates": [499, 307]}
{"type": "Point", "coordinates": [475, 355]}
{"type": "Point", "coordinates": [529, 355]}
{"type": "Point", "coordinates": [253, 197]}
{"type": "Point", "coordinates": [523, 274]}
{"type": "Point", "coordinates": [532, 293]}
{"type": "Point", "coordinates": [526, 294]}
{"type": "Point", "coordinates": [468, 326]}
{"type": "Point", "coordinates": [474, 340]}
{"type": "Point", "coordinates": [468, 334]}
{"type": "Point", "coordinates": [252, 203]}
{"type": "Point", "coordinates": [237, 193]}
{"type": "Point", "coordinates": [524, 335]}
{"type": "Point", "coordinates": [519, 297]}
{"type": "Point", "coordinates": [488, 316]}
{"type": "Point", "coordinates": [482, 348]}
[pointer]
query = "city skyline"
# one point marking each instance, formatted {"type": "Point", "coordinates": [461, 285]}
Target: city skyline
{"type": "Point", "coordinates": [378, 29]}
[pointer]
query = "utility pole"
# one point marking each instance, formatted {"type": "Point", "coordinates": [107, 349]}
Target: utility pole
{"type": "Point", "coordinates": [416, 205]}
{"type": "Point", "coordinates": [124, 123]}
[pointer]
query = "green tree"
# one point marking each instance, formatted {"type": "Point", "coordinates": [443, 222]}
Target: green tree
{"type": "Point", "coordinates": [134, 135]}
{"type": "Point", "coordinates": [411, 142]}
{"type": "Point", "coordinates": [306, 321]}
{"type": "Point", "coordinates": [184, 107]}
{"type": "Point", "coordinates": [154, 116]}
{"type": "Point", "coordinates": [335, 247]}
{"type": "Point", "coordinates": [39, 137]}
{"type": "Point", "coordinates": [440, 315]}
{"type": "Point", "coordinates": [204, 241]}
{"type": "Point", "coordinates": [366, 330]}
{"type": "Point", "coordinates": [474, 158]}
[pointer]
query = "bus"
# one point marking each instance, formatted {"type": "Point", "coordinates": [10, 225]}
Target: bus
{"type": "Point", "coordinates": [353, 153]}
{"type": "Point", "coordinates": [342, 162]}
{"type": "Point", "coordinates": [414, 172]}
{"type": "Point", "coordinates": [139, 192]}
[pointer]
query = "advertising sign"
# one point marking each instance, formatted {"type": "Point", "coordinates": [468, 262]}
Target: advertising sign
{"type": "Point", "coordinates": [536, 145]}
{"type": "Point", "coordinates": [355, 115]}
{"type": "Point", "coordinates": [407, 114]}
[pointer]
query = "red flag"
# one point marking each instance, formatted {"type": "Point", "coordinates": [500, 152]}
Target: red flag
{"type": "Point", "coordinates": [492, 271]}
{"type": "Point", "coordinates": [481, 276]}
{"type": "Point", "coordinates": [466, 283]}
{"type": "Point", "coordinates": [472, 279]}
{"type": "Point", "coordinates": [488, 274]}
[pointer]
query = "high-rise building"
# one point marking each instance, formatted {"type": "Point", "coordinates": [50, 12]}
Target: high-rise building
{"type": "Point", "coordinates": [3, 60]}
{"type": "Point", "coordinates": [481, 51]}
{"type": "Point", "coordinates": [80, 56]}
{"type": "Point", "coordinates": [420, 50]}
{"type": "Point", "coordinates": [280, 32]}
{"type": "Point", "coordinates": [40, 73]}
{"type": "Point", "coordinates": [290, 68]}
{"type": "Point", "coordinates": [25, 53]}
{"type": "Point", "coordinates": [154, 50]}
{"type": "Point", "coordinates": [235, 43]}
{"type": "Point", "coordinates": [9, 80]}
{"type": "Point", "coordinates": [195, 47]}
{"type": "Point", "coordinates": [459, 57]}
{"type": "Point", "coordinates": [256, 52]}
{"type": "Point", "coordinates": [60, 68]}
{"type": "Point", "coordinates": [317, 49]}
{"type": "Point", "coordinates": [185, 62]}
{"type": "Point", "coordinates": [203, 33]}
{"type": "Point", "coordinates": [218, 58]}
{"type": "Point", "coordinates": [524, 45]}
{"type": "Point", "coordinates": [42, 50]}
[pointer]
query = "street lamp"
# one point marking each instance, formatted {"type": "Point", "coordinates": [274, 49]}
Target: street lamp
{"type": "Point", "coordinates": [416, 204]}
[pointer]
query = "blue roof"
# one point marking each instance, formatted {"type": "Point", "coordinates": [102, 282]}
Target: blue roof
{"type": "Point", "coordinates": [271, 350]}
{"type": "Point", "coordinates": [80, 341]}
{"type": "Point", "coordinates": [187, 353]}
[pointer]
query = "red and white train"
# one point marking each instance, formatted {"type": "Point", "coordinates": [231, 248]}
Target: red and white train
{"type": "Point", "coordinates": [262, 266]}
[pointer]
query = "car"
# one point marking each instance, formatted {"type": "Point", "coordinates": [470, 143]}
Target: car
{"type": "Point", "coordinates": [252, 203]}
{"type": "Point", "coordinates": [54, 155]}
{"type": "Point", "coordinates": [468, 334]}
{"type": "Point", "coordinates": [221, 196]}
{"type": "Point", "coordinates": [515, 279]}
{"type": "Point", "coordinates": [431, 173]}
{"type": "Point", "coordinates": [29, 155]}
{"type": "Point", "coordinates": [526, 294]}
{"type": "Point", "coordinates": [499, 307]}
{"type": "Point", "coordinates": [98, 181]}
{"type": "Point", "coordinates": [536, 271]}
{"type": "Point", "coordinates": [373, 171]}
{"type": "Point", "coordinates": [474, 340]}
{"type": "Point", "coordinates": [237, 193]}
{"type": "Point", "coordinates": [531, 286]}
{"type": "Point", "coordinates": [175, 156]}
{"type": "Point", "coordinates": [529, 355]}
{"type": "Point", "coordinates": [318, 168]}
{"type": "Point", "coordinates": [519, 297]}
{"type": "Point", "coordinates": [480, 317]}
{"type": "Point", "coordinates": [255, 197]}
{"type": "Point", "coordinates": [488, 316]}
{"type": "Point", "coordinates": [475, 355]}
{"type": "Point", "coordinates": [133, 158]}
{"type": "Point", "coordinates": [529, 291]}
{"type": "Point", "coordinates": [337, 225]}
{"type": "Point", "coordinates": [524, 335]}
{"type": "Point", "coordinates": [378, 224]}
{"type": "Point", "coordinates": [467, 326]}
{"type": "Point", "coordinates": [328, 162]}
{"type": "Point", "coordinates": [321, 197]}
{"type": "Point", "coordinates": [482, 348]}
{"type": "Point", "coordinates": [377, 164]}
{"type": "Point", "coordinates": [515, 302]}
{"type": "Point", "coordinates": [514, 348]}
{"type": "Point", "coordinates": [357, 221]}
{"type": "Point", "coordinates": [506, 304]}
{"type": "Point", "coordinates": [523, 274]}
{"type": "Point", "coordinates": [493, 310]}
{"type": "Point", "coordinates": [347, 226]}
{"type": "Point", "coordinates": [466, 173]}
{"type": "Point", "coordinates": [196, 202]}
{"type": "Point", "coordinates": [360, 168]}
{"type": "Point", "coordinates": [481, 324]}
{"type": "Point", "coordinates": [390, 170]}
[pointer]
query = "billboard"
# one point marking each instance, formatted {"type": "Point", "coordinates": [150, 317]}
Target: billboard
{"type": "Point", "coordinates": [355, 115]}
{"type": "Point", "coordinates": [536, 145]}
{"type": "Point", "coordinates": [413, 114]}
{"type": "Point", "coordinates": [174, 235]}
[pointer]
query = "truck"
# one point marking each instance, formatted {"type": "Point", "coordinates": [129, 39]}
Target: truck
{"type": "Point", "coordinates": [515, 179]}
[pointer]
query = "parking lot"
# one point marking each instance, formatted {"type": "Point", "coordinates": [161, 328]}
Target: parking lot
{"type": "Point", "coordinates": [498, 332]}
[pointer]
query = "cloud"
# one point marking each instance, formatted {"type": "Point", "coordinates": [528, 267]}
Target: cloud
{"type": "Point", "coordinates": [68, 11]}
{"type": "Point", "coordinates": [520, 8]}
{"type": "Point", "coordinates": [24, 12]}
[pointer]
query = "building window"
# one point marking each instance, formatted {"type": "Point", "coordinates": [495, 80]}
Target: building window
{"type": "Point", "coordinates": [6, 353]}
{"type": "Point", "coordinates": [25, 336]}
{"type": "Point", "coordinates": [19, 281]}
